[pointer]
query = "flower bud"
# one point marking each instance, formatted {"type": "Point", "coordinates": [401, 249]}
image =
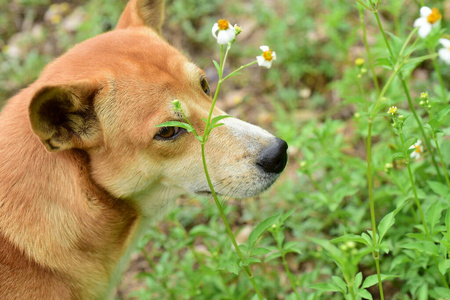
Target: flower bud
{"type": "Point", "coordinates": [359, 62]}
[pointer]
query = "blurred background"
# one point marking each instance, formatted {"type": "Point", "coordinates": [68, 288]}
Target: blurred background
{"type": "Point", "coordinates": [309, 98]}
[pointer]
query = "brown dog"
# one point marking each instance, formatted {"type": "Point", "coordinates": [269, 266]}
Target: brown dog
{"type": "Point", "coordinates": [84, 170]}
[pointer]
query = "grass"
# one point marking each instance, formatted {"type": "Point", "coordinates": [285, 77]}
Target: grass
{"type": "Point", "coordinates": [353, 216]}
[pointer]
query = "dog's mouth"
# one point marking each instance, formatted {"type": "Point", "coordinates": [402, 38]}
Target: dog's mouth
{"type": "Point", "coordinates": [205, 193]}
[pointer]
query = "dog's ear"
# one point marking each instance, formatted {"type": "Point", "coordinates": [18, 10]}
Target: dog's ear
{"type": "Point", "coordinates": [63, 116]}
{"type": "Point", "coordinates": [143, 13]}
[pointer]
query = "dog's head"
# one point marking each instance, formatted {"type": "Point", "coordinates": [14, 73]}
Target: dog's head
{"type": "Point", "coordinates": [106, 96]}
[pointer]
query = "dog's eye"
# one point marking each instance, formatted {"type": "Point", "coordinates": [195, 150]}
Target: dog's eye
{"type": "Point", "coordinates": [169, 133]}
{"type": "Point", "coordinates": [205, 86]}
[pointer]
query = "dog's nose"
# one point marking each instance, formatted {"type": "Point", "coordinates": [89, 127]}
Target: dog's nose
{"type": "Point", "coordinates": [274, 158]}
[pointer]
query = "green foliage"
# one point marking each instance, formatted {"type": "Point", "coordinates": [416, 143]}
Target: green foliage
{"type": "Point", "coordinates": [312, 235]}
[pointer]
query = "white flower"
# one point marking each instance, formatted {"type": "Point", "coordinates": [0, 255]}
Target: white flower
{"type": "Point", "coordinates": [392, 110]}
{"type": "Point", "coordinates": [444, 53]}
{"type": "Point", "coordinates": [428, 19]}
{"type": "Point", "coordinates": [265, 60]}
{"type": "Point", "coordinates": [417, 150]}
{"type": "Point", "coordinates": [223, 32]}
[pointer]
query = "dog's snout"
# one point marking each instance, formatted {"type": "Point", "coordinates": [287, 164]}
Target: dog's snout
{"type": "Point", "coordinates": [273, 159]}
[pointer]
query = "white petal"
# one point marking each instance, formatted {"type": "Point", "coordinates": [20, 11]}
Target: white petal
{"type": "Point", "coordinates": [425, 11]}
{"type": "Point", "coordinates": [215, 28]}
{"type": "Point", "coordinates": [444, 54]}
{"type": "Point", "coordinates": [260, 60]}
{"type": "Point", "coordinates": [274, 55]}
{"type": "Point", "coordinates": [267, 64]}
{"type": "Point", "coordinates": [420, 22]}
{"type": "Point", "coordinates": [445, 42]}
{"type": "Point", "coordinates": [419, 142]}
{"type": "Point", "coordinates": [223, 37]}
{"type": "Point", "coordinates": [264, 48]}
{"type": "Point", "coordinates": [231, 33]}
{"type": "Point", "coordinates": [415, 155]}
{"type": "Point", "coordinates": [424, 30]}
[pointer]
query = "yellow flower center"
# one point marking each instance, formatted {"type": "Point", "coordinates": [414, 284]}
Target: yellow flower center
{"type": "Point", "coordinates": [223, 24]}
{"type": "Point", "coordinates": [392, 110]}
{"type": "Point", "coordinates": [417, 148]}
{"type": "Point", "coordinates": [359, 62]}
{"type": "Point", "coordinates": [268, 55]}
{"type": "Point", "coordinates": [434, 16]}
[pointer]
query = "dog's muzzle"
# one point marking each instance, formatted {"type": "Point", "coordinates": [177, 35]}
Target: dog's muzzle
{"type": "Point", "coordinates": [274, 158]}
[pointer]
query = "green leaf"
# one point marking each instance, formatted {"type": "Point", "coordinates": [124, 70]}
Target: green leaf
{"type": "Point", "coordinates": [186, 126]}
{"type": "Point", "coordinates": [273, 256]}
{"type": "Point", "coordinates": [261, 228]}
{"type": "Point", "coordinates": [293, 246]}
{"type": "Point", "coordinates": [218, 118]}
{"type": "Point", "coordinates": [398, 155]}
{"type": "Point", "coordinates": [335, 253]}
{"type": "Point", "coordinates": [249, 260]}
{"type": "Point", "coordinates": [350, 237]}
{"type": "Point", "coordinates": [364, 294]}
{"type": "Point", "coordinates": [340, 283]}
{"type": "Point", "coordinates": [447, 221]}
{"type": "Point", "coordinates": [368, 239]}
{"type": "Point", "coordinates": [424, 247]}
{"type": "Point", "coordinates": [396, 42]}
{"type": "Point", "coordinates": [259, 251]}
{"type": "Point", "coordinates": [384, 62]}
{"type": "Point", "coordinates": [373, 279]}
{"type": "Point", "coordinates": [202, 230]}
{"type": "Point", "coordinates": [385, 224]}
{"type": "Point", "coordinates": [326, 287]}
{"type": "Point", "coordinates": [443, 114]}
{"type": "Point", "coordinates": [231, 265]}
{"type": "Point", "coordinates": [439, 188]}
{"type": "Point", "coordinates": [433, 214]}
{"type": "Point", "coordinates": [358, 279]}
{"type": "Point", "coordinates": [443, 266]}
{"type": "Point", "coordinates": [216, 64]}
{"type": "Point", "coordinates": [286, 215]}
{"type": "Point", "coordinates": [443, 292]}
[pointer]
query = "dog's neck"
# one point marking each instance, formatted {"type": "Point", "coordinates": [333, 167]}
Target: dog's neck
{"type": "Point", "coordinates": [78, 217]}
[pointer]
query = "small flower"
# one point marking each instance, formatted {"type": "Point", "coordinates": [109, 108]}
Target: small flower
{"type": "Point", "coordinates": [388, 167]}
{"type": "Point", "coordinates": [237, 29]}
{"type": "Point", "coordinates": [424, 96]}
{"type": "Point", "coordinates": [223, 32]}
{"type": "Point", "coordinates": [359, 62]}
{"type": "Point", "coordinates": [265, 60]}
{"type": "Point", "coordinates": [444, 53]}
{"type": "Point", "coordinates": [55, 19]}
{"type": "Point", "coordinates": [392, 110]}
{"type": "Point", "coordinates": [428, 19]}
{"type": "Point", "coordinates": [177, 105]}
{"type": "Point", "coordinates": [417, 150]}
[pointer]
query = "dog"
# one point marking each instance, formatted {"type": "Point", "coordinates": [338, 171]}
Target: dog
{"type": "Point", "coordinates": [84, 170]}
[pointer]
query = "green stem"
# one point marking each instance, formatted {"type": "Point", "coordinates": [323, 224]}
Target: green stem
{"type": "Point", "coordinates": [286, 267]}
{"type": "Point", "coordinates": [383, 33]}
{"type": "Point", "coordinates": [363, 4]}
{"type": "Point", "coordinates": [408, 96]}
{"type": "Point", "coordinates": [238, 69]}
{"type": "Point", "coordinates": [227, 225]}
{"type": "Point", "coordinates": [419, 122]}
{"type": "Point", "coordinates": [439, 75]}
{"type": "Point", "coordinates": [447, 179]}
{"type": "Point", "coordinates": [416, 198]}
{"type": "Point", "coordinates": [413, 185]}
{"type": "Point", "coordinates": [369, 53]}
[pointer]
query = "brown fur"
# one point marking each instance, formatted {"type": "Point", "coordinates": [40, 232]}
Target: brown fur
{"type": "Point", "coordinates": [81, 173]}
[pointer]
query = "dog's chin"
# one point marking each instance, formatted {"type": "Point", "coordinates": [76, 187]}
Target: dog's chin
{"type": "Point", "coordinates": [241, 191]}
